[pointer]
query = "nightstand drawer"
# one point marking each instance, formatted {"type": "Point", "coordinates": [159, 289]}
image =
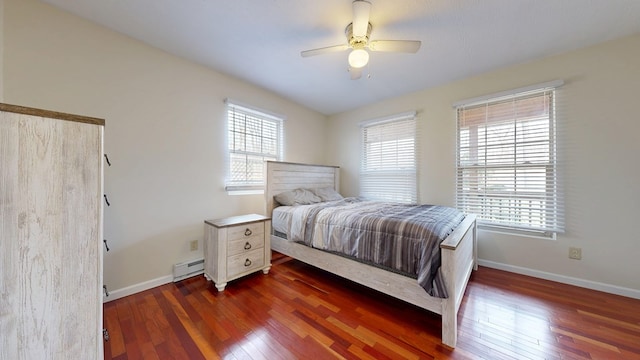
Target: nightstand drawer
{"type": "Point", "coordinates": [245, 231]}
{"type": "Point", "coordinates": [247, 262]}
{"type": "Point", "coordinates": [252, 242]}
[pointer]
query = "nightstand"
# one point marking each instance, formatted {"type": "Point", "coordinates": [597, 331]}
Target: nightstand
{"type": "Point", "coordinates": [236, 246]}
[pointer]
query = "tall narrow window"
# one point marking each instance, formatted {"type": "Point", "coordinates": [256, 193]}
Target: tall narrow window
{"type": "Point", "coordinates": [253, 138]}
{"type": "Point", "coordinates": [389, 166]}
{"type": "Point", "coordinates": [506, 162]}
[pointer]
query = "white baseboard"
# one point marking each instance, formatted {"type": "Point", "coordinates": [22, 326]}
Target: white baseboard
{"type": "Point", "coordinates": [612, 289]}
{"type": "Point", "coordinates": [136, 288]}
{"type": "Point", "coordinates": [593, 285]}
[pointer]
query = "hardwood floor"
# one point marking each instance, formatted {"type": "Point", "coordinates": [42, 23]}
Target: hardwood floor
{"type": "Point", "coordinates": [300, 312]}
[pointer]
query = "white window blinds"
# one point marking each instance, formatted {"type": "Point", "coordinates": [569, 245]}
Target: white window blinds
{"type": "Point", "coordinates": [253, 138]}
{"type": "Point", "coordinates": [389, 166]}
{"type": "Point", "coordinates": [506, 163]}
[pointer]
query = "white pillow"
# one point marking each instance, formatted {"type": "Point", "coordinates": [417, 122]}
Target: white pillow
{"type": "Point", "coordinates": [297, 197]}
{"type": "Point", "coordinates": [327, 194]}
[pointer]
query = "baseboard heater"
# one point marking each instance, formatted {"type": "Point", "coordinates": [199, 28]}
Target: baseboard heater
{"type": "Point", "coordinates": [188, 269]}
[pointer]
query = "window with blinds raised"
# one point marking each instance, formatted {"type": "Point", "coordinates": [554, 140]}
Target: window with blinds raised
{"type": "Point", "coordinates": [506, 163]}
{"type": "Point", "coordinates": [389, 166]}
{"type": "Point", "coordinates": [253, 138]}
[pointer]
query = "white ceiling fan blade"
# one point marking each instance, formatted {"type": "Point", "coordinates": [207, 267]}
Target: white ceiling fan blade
{"type": "Point", "coordinates": [324, 50]}
{"type": "Point", "coordinates": [356, 73]}
{"type": "Point", "coordinates": [405, 46]}
{"type": "Point", "coordinates": [361, 10]}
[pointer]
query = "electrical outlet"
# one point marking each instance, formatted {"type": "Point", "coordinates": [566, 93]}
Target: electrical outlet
{"type": "Point", "coordinates": [575, 253]}
{"type": "Point", "coordinates": [194, 245]}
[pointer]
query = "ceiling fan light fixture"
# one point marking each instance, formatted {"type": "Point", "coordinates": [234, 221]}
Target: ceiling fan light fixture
{"type": "Point", "coordinates": [358, 34]}
{"type": "Point", "coordinates": [358, 58]}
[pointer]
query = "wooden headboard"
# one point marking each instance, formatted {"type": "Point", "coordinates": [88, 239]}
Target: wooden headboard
{"type": "Point", "coordinates": [284, 176]}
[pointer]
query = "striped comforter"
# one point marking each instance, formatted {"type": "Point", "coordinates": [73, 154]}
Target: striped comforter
{"type": "Point", "coordinates": [398, 237]}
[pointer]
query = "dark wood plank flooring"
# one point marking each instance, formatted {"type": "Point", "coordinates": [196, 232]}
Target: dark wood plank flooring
{"type": "Point", "coordinates": [300, 312]}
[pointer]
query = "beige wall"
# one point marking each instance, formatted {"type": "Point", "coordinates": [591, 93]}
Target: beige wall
{"type": "Point", "coordinates": [599, 126]}
{"type": "Point", "coordinates": [164, 134]}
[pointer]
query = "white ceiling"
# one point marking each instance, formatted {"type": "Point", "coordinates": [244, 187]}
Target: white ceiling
{"type": "Point", "coordinates": [260, 41]}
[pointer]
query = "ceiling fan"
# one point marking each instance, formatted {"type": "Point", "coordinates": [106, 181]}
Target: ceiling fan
{"type": "Point", "coordinates": [358, 33]}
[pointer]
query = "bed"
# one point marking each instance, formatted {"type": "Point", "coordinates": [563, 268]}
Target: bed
{"type": "Point", "coordinates": [458, 251]}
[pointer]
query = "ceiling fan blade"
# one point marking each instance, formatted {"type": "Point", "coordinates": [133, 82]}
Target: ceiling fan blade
{"type": "Point", "coordinates": [356, 73]}
{"type": "Point", "coordinates": [405, 46]}
{"type": "Point", "coordinates": [361, 10]}
{"type": "Point", "coordinates": [324, 50]}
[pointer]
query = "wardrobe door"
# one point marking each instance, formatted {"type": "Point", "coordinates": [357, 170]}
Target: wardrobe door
{"type": "Point", "coordinates": [50, 238]}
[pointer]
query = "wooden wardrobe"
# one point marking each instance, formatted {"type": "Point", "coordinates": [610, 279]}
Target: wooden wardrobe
{"type": "Point", "coordinates": [51, 207]}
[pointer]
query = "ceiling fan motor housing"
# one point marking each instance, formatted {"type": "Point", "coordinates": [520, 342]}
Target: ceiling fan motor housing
{"type": "Point", "coordinates": [357, 42]}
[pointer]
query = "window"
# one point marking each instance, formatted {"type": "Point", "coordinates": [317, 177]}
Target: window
{"type": "Point", "coordinates": [253, 138]}
{"type": "Point", "coordinates": [388, 169]}
{"type": "Point", "coordinates": [506, 162]}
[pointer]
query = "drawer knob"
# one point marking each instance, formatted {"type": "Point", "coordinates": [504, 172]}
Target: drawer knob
{"type": "Point", "coordinates": [247, 232]}
{"type": "Point", "coordinates": [247, 246]}
{"type": "Point", "coordinates": [247, 262]}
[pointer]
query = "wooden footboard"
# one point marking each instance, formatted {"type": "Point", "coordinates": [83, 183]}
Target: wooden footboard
{"type": "Point", "coordinates": [459, 257]}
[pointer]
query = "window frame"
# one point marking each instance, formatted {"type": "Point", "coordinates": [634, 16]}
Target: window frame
{"type": "Point", "coordinates": [276, 122]}
{"type": "Point", "coordinates": [405, 177]}
{"type": "Point", "coordinates": [546, 218]}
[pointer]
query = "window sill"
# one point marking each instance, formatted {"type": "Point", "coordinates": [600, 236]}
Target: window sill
{"type": "Point", "coordinates": [245, 192]}
{"type": "Point", "coordinates": [536, 234]}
